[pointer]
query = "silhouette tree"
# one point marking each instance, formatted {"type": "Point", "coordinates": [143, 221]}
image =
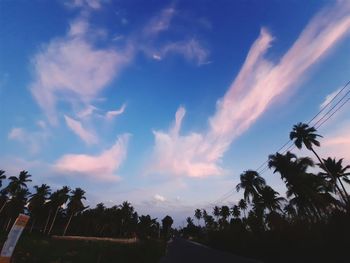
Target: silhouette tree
{"type": "Point", "coordinates": [167, 222]}
{"type": "Point", "coordinates": [236, 212]}
{"type": "Point", "coordinates": [75, 205]}
{"type": "Point", "coordinates": [57, 199]}
{"type": "Point", "coordinates": [337, 170]}
{"type": "Point", "coordinates": [303, 134]}
{"type": "Point", "coordinates": [252, 183]}
{"type": "Point", "coordinates": [268, 199]}
{"type": "Point", "coordinates": [216, 212]}
{"type": "Point", "coordinates": [37, 201]}
{"type": "Point", "coordinates": [242, 204]}
{"type": "Point", "coordinates": [198, 215]}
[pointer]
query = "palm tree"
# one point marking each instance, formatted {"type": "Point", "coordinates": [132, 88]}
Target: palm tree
{"type": "Point", "coordinates": [303, 134]}
{"type": "Point", "coordinates": [37, 201]}
{"type": "Point", "coordinates": [225, 212]}
{"type": "Point", "coordinates": [236, 212]}
{"type": "Point", "coordinates": [16, 204]}
{"type": "Point", "coordinates": [57, 199]}
{"type": "Point", "coordinates": [19, 182]}
{"type": "Point", "coordinates": [216, 212]}
{"type": "Point", "coordinates": [75, 205]}
{"type": "Point", "coordinates": [198, 214]}
{"type": "Point", "coordinates": [242, 204]}
{"type": "Point", "coordinates": [2, 176]}
{"type": "Point", "coordinates": [15, 185]}
{"type": "Point", "coordinates": [167, 222]}
{"type": "Point", "coordinates": [252, 183]}
{"type": "Point", "coordinates": [337, 170]}
{"type": "Point", "coordinates": [269, 199]}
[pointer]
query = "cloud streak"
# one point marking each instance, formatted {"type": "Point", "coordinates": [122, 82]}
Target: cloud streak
{"type": "Point", "coordinates": [76, 126]}
{"type": "Point", "coordinates": [100, 167]}
{"type": "Point", "coordinates": [72, 69]}
{"type": "Point", "coordinates": [259, 83]}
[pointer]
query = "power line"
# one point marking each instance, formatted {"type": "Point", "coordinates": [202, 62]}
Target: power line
{"type": "Point", "coordinates": [262, 168]}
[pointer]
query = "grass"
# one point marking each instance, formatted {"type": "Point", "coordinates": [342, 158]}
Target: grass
{"type": "Point", "coordinates": [43, 249]}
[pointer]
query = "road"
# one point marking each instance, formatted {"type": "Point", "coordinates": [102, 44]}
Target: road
{"type": "Point", "coordinates": [182, 251]}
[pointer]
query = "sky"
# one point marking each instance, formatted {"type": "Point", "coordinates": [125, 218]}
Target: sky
{"type": "Point", "coordinates": [166, 103]}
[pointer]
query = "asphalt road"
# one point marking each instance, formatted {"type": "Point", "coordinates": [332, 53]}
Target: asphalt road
{"type": "Point", "coordinates": [183, 251]}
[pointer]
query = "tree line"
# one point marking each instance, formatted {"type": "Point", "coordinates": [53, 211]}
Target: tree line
{"type": "Point", "coordinates": [63, 211]}
{"type": "Point", "coordinates": [312, 220]}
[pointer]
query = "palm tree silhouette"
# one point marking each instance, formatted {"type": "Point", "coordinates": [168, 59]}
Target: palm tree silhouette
{"type": "Point", "coordinates": [37, 202]}
{"type": "Point", "coordinates": [198, 215]}
{"type": "Point", "coordinates": [242, 204]}
{"type": "Point", "coordinates": [57, 199]}
{"type": "Point", "coordinates": [303, 134]}
{"type": "Point", "coordinates": [337, 170]}
{"type": "Point", "coordinates": [236, 212]}
{"type": "Point", "coordinates": [75, 205]}
{"type": "Point", "coordinates": [252, 183]}
{"type": "Point", "coordinates": [269, 199]}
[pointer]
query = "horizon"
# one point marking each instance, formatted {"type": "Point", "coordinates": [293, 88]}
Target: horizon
{"type": "Point", "coordinates": [165, 105]}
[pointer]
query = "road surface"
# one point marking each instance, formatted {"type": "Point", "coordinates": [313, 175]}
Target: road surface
{"type": "Point", "coordinates": [182, 251]}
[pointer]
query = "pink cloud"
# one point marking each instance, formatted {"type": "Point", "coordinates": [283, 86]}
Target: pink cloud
{"type": "Point", "coordinates": [259, 83]}
{"type": "Point", "coordinates": [337, 143]}
{"type": "Point", "coordinates": [72, 69]}
{"type": "Point", "coordinates": [113, 113]}
{"type": "Point", "coordinates": [103, 166]}
{"type": "Point", "coordinates": [76, 126]}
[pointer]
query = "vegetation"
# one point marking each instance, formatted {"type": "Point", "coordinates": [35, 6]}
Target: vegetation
{"type": "Point", "coordinates": [309, 224]}
{"type": "Point", "coordinates": [33, 249]}
{"type": "Point", "coordinates": [63, 212]}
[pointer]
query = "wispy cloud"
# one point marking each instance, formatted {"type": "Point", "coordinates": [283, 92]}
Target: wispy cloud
{"type": "Point", "coordinates": [259, 83]}
{"type": "Point", "coordinates": [33, 140]}
{"type": "Point", "coordinates": [159, 23]}
{"type": "Point", "coordinates": [113, 113]}
{"type": "Point", "coordinates": [94, 4]}
{"type": "Point", "coordinates": [72, 69]}
{"type": "Point", "coordinates": [76, 126]}
{"type": "Point", "coordinates": [329, 97]}
{"type": "Point", "coordinates": [100, 167]}
{"type": "Point", "coordinates": [191, 50]}
{"type": "Point", "coordinates": [337, 143]}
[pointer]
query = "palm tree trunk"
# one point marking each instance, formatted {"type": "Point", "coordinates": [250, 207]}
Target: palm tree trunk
{"type": "Point", "coordinates": [331, 175]}
{"type": "Point", "coordinates": [65, 229]}
{"type": "Point", "coordinates": [31, 228]}
{"type": "Point", "coordinates": [53, 221]}
{"type": "Point", "coordinates": [344, 190]}
{"type": "Point", "coordinates": [47, 221]}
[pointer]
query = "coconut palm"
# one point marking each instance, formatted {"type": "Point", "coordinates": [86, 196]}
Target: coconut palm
{"type": "Point", "coordinates": [236, 212]}
{"type": "Point", "coordinates": [303, 134]}
{"type": "Point", "coordinates": [75, 205]}
{"type": "Point", "coordinates": [269, 199]}
{"type": "Point", "coordinates": [252, 183]}
{"type": "Point", "coordinates": [216, 212]}
{"type": "Point", "coordinates": [37, 202]}
{"type": "Point", "coordinates": [242, 204]}
{"type": "Point", "coordinates": [19, 182]}
{"type": "Point", "coordinates": [337, 170]}
{"type": "Point", "coordinates": [57, 199]}
{"type": "Point", "coordinates": [15, 185]}
{"type": "Point", "coordinates": [167, 222]}
{"type": "Point", "coordinates": [198, 215]}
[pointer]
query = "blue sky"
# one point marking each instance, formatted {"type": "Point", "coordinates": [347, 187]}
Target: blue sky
{"type": "Point", "coordinates": [164, 103]}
